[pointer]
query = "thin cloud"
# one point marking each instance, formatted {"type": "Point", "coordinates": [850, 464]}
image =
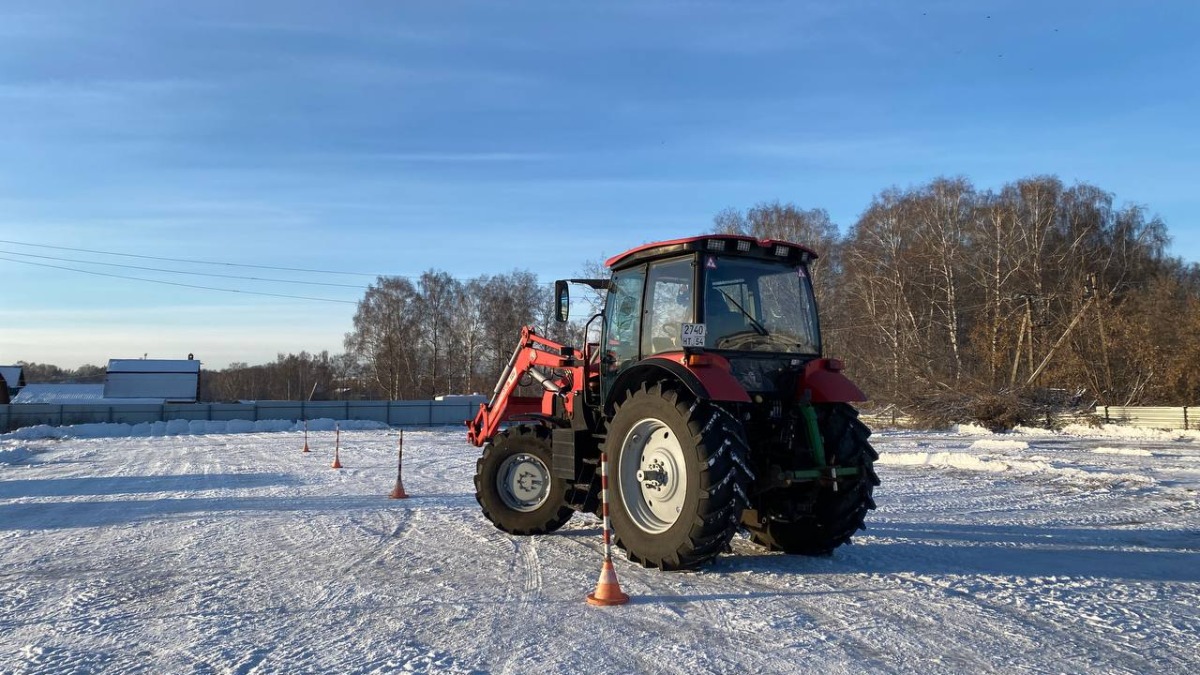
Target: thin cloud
{"type": "Point", "coordinates": [456, 157]}
{"type": "Point", "coordinates": [93, 91]}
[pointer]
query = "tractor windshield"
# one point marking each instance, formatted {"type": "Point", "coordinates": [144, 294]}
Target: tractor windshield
{"type": "Point", "coordinates": [755, 305]}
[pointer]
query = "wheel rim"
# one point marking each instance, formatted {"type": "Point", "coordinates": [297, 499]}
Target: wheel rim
{"type": "Point", "coordinates": [653, 476]}
{"type": "Point", "coordinates": [523, 482]}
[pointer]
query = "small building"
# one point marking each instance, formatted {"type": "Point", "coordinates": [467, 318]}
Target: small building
{"type": "Point", "coordinates": [12, 378]}
{"type": "Point", "coordinates": [168, 380]}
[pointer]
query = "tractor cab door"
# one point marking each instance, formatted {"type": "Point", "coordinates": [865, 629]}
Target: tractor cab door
{"type": "Point", "coordinates": [669, 305]}
{"type": "Point", "coordinates": [621, 337]}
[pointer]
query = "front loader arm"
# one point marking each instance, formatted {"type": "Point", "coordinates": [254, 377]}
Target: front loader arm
{"type": "Point", "coordinates": [533, 352]}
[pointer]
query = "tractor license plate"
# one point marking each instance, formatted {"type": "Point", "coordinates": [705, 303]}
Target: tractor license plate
{"type": "Point", "coordinates": [692, 334]}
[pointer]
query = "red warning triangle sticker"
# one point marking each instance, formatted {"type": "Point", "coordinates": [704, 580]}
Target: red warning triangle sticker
{"type": "Point", "coordinates": [710, 263]}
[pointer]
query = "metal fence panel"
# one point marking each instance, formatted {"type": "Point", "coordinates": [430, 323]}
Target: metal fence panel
{"type": "Point", "coordinates": [279, 410]}
{"type": "Point", "coordinates": [138, 413]}
{"type": "Point", "coordinates": [392, 413]}
{"type": "Point", "coordinates": [450, 412]}
{"type": "Point", "coordinates": [1152, 417]}
{"type": "Point", "coordinates": [409, 413]}
{"type": "Point", "coordinates": [226, 412]}
{"type": "Point", "coordinates": [33, 414]}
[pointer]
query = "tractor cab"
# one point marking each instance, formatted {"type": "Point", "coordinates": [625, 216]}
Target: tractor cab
{"type": "Point", "coordinates": [730, 295]}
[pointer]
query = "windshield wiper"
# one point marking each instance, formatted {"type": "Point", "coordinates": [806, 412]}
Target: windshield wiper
{"type": "Point", "coordinates": [758, 327]}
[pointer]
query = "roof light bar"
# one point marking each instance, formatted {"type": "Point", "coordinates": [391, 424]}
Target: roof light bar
{"type": "Point", "coordinates": [743, 246]}
{"type": "Point", "coordinates": [781, 250]}
{"type": "Point", "coordinates": [715, 244]}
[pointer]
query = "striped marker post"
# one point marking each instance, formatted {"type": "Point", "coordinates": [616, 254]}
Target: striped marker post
{"type": "Point", "coordinates": [608, 589]}
{"type": "Point", "coordinates": [398, 491]}
{"type": "Point", "coordinates": [337, 446]}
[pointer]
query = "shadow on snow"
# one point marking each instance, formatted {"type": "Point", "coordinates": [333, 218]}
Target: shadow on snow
{"type": "Point", "coordinates": [121, 485]}
{"type": "Point", "coordinates": [971, 550]}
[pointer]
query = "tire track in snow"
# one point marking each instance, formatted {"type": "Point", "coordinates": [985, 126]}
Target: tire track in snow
{"type": "Point", "coordinates": [875, 635]}
{"type": "Point", "coordinates": [529, 569]}
{"type": "Point", "coordinates": [389, 535]}
{"type": "Point", "coordinates": [742, 621]}
{"type": "Point", "coordinates": [752, 608]}
{"type": "Point", "coordinates": [1098, 653]}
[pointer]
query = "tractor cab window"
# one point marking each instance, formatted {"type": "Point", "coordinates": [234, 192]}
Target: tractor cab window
{"type": "Point", "coordinates": [753, 305]}
{"type": "Point", "coordinates": [621, 320]}
{"type": "Point", "coordinates": [668, 305]}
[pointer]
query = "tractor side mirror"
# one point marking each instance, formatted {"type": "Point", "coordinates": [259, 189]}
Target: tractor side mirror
{"type": "Point", "coordinates": [562, 301]}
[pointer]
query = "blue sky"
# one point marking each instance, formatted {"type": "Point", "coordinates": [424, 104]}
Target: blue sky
{"type": "Point", "coordinates": [481, 137]}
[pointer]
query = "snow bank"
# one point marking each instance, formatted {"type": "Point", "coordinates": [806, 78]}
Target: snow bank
{"type": "Point", "coordinates": [14, 455]}
{"type": "Point", "coordinates": [982, 464]}
{"type": "Point", "coordinates": [1129, 452]}
{"type": "Point", "coordinates": [183, 428]}
{"type": "Point", "coordinates": [970, 430]}
{"type": "Point", "coordinates": [1121, 431]}
{"type": "Point", "coordinates": [998, 444]}
{"type": "Point", "coordinates": [961, 460]}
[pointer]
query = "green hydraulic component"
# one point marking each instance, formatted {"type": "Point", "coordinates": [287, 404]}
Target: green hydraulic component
{"type": "Point", "coordinates": [822, 472]}
{"type": "Point", "coordinates": [832, 473]}
{"type": "Point", "coordinates": [814, 434]}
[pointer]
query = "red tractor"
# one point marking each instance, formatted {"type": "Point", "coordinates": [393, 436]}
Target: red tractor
{"type": "Point", "coordinates": [709, 394]}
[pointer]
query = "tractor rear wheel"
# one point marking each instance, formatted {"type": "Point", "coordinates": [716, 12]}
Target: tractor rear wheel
{"type": "Point", "coordinates": [830, 517]}
{"type": "Point", "coordinates": [676, 476]}
{"type": "Point", "coordinates": [515, 487]}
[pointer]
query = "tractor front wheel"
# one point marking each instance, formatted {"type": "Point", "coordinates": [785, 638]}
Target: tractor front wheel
{"type": "Point", "coordinates": [514, 485]}
{"type": "Point", "coordinates": [677, 477]}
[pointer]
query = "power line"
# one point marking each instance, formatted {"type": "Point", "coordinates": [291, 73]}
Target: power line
{"type": "Point", "coordinates": [201, 274]}
{"type": "Point", "coordinates": [210, 262]}
{"type": "Point", "coordinates": [174, 283]}
{"type": "Point", "coordinates": [191, 261]}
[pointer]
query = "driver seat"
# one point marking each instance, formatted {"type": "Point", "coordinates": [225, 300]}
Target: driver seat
{"type": "Point", "coordinates": [720, 319]}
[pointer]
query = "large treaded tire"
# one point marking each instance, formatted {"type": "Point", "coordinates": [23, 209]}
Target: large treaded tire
{"type": "Point", "coordinates": [712, 448]}
{"type": "Point", "coordinates": [519, 440]}
{"type": "Point", "coordinates": [834, 516]}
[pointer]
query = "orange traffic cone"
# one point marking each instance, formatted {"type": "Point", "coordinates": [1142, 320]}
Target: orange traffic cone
{"type": "Point", "coordinates": [398, 491]}
{"type": "Point", "coordinates": [337, 435]}
{"type": "Point", "coordinates": [608, 590]}
{"type": "Point", "coordinates": [305, 436]}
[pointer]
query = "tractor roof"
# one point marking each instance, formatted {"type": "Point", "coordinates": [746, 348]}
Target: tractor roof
{"type": "Point", "coordinates": [713, 243]}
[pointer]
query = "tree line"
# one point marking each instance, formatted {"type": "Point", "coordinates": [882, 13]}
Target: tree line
{"type": "Point", "coordinates": [410, 339]}
{"type": "Point", "coordinates": [946, 299]}
{"type": "Point", "coordinates": [941, 297]}
{"type": "Point", "coordinates": [52, 374]}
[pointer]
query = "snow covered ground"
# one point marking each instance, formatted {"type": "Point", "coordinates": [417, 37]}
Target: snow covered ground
{"type": "Point", "coordinates": [182, 550]}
